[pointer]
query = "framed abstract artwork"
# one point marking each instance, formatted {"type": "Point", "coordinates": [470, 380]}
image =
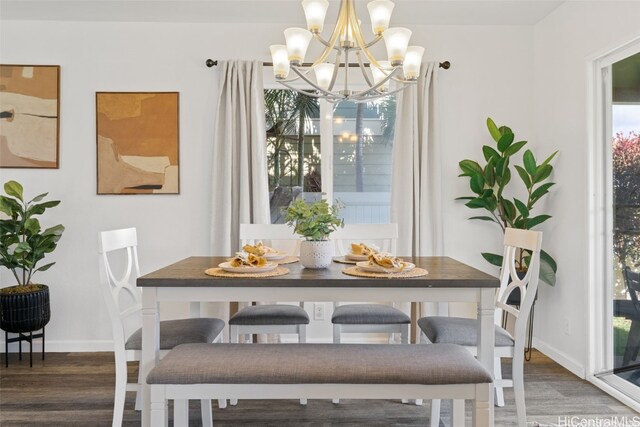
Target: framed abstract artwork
{"type": "Point", "coordinates": [137, 142]}
{"type": "Point", "coordinates": [29, 116]}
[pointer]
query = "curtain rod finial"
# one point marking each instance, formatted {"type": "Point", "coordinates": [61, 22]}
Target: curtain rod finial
{"type": "Point", "coordinates": [445, 65]}
{"type": "Point", "coordinates": [210, 63]}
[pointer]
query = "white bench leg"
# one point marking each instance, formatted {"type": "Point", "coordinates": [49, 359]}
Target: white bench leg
{"type": "Point", "coordinates": [159, 416]}
{"type": "Point", "coordinates": [435, 413]}
{"type": "Point", "coordinates": [302, 339]}
{"type": "Point", "coordinates": [138, 406]}
{"type": "Point", "coordinates": [457, 413]}
{"type": "Point", "coordinates": [121, 389]}
{"type": "Point", "coordinates": [482, 406]}
{"type": "Point", "coordinates": [181, 413]}
{"type": "Point", "coordinates": [205, 413]}
{"type": "Point", "coordinates": [336, 340]}
{"type": "Point", "coordinates": [404, 339]}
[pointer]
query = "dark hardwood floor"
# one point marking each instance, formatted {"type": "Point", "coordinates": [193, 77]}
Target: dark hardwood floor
{"type": "Point", "coordinates": [76, 389]}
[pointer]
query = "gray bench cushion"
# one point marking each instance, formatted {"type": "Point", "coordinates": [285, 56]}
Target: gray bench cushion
{"type": "Point", "coordinates": [368, 314]}
{"type": "Point", "coordinates": [275, 314]}
{"type": "Point", "coordinates": [182, 331]}
{"type": "Point", "coordinates": [318, 364]}
{"type": "Point", "coordinates": [458, 330]}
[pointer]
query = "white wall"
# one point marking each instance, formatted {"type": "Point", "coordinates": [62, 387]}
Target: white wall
{"type": "Point", "coordinates": [491, 75]}
{"type": "Point", "coordinates": [563, 43]}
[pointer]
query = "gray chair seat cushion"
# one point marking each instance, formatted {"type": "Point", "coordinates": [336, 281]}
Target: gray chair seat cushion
{"type": "Point", "coordinates": [458, 330]}
{"type": "Point", "coordinates": [270, 314]}
{"type": "Point", "coordinates": [368, 314]}
{"type": "Point", "coordinates": [318, 364]}
{"type": "Point", "coordinates": [182, 331]}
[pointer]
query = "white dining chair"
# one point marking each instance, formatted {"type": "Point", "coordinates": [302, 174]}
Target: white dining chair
{"type": "Point", "coordinates": [463, 331]}
{"type": "Point", "coordinates": [362, 317]}
{"type": "Point", "coordinates": [269, 318]}
{"type": "Point", "coordinates": [119, 270]}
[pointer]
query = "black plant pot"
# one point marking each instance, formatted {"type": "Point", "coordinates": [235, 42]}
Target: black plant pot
{"type": "Point", "coordinates": [25, 312]}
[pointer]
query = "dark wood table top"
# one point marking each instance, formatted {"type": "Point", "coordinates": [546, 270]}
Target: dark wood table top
{"type": "Point", "coordinates": [443, 272]}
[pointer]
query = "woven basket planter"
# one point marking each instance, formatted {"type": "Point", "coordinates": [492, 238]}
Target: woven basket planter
{"type": "Point", "coordinates": [25, 312]}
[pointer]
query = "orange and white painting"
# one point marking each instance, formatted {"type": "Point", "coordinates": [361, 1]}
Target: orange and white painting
{"type": "Point", "coordinates": [137, 137]}
{"type": "Point", "coordinates": [29, 116]}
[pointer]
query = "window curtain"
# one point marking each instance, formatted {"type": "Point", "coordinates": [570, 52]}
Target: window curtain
{"type": "Point", "coordinates": [416, 177]}
{"type": "Point", "coordinates": [240, 189]}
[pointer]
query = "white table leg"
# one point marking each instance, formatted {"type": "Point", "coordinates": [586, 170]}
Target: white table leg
{"type": "Point", "coordinates": [150, 347]}
{"type": "Point", "coordinates": [486, 333]}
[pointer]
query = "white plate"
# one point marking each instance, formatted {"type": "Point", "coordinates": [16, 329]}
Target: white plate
{"type": "Point", "coordinates": [275, 256]}
{"type": "Point", "coordinates": [354, 257]}
{"type": "Point", "coordinates": [373, 268]}
{"type": "Point", "coordinates": [226, 266]}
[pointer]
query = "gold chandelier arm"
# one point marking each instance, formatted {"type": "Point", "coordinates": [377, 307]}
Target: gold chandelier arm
{"type": "Point", "coordinates": [318, 37]}
{"type": "Point", "coordinates": [304, 92]}
{"type": "Point", "coordinates": [335, 37]}
{"type": "Point", "coordinates": [357, 98]}
{"type": "Point", "coordinates": [375, 87]}
{"type": "Point", "coordinates": [359, 37]}
{"type": "Point", "coordinates": [336, 68]}
{"type": "Point", "coordinates": [298, 72]}
{"type": "Point", "coordinates": [315, 86]}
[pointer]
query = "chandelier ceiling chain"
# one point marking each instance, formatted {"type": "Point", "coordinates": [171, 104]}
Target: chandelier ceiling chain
{"type": "Point", "coordinates": [402, 65]}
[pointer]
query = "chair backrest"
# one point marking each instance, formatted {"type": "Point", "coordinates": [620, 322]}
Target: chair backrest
{"type": "Point", "coordinates": [632, 279]}
{"type": "Point", "coordinates": [278, 236]}
{"type": "Point", "coordinates": [518, 244]}
{"type": "Point", "coordinates": [385, 236]}
{"type": "Point", "coordinates": [119, 270]}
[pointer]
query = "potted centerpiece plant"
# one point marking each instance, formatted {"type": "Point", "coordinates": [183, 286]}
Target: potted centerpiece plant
{"type": "Point", "coordinates": [23, 244]}
{"type": "Point", "coordinates": [315, 222]}
{"type": "Point", "coordinates": [489, 183]}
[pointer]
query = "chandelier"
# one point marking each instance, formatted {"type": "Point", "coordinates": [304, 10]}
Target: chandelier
{"type": "Point", "coordinates": [402, 65]}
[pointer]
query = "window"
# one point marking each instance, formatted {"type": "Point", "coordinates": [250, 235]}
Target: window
{"type": "Point", "coordinates": [350, 163]}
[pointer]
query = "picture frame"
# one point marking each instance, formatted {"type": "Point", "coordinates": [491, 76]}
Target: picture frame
{"type": "Point", "coordinates": [137, 140]}
{"type": "Point", "coordinates": [29, 116]}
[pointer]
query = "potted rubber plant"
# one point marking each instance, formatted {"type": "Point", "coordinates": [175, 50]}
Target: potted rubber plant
{"type": "Point", "coordinates": [24, 307]}
{"type": "Point", "coordinates": [490, 182]}
{"type": "Point", "coordinates": [315, 222]}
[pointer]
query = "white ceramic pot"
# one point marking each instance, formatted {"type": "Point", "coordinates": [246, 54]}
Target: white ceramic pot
{"type": "Point", "coordinates": [316, 254]}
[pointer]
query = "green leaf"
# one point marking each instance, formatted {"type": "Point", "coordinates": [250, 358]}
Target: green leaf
{"type": "Point", "coordinates": [548, 259]}
{"type": "Point", "coordinates": [494, 259]}
{"type": "Point", "coordinates": [505, 141]}
{"type": "Point", "coordinates": [40, 208]}
{"type": "Point", "coordinates": [506, 177]}
{"type": "Point", "coordinates": [56, 230]}
{"type": "Point", "coordinates": [542, 173]}
{"type": "Point", "coordinates": [536, 220]}
{"type": "Point", "coordinates": [489, 152]}
{"type": "Point", "coordinates": [529, 162]}
{"type": "Point", "coordinates": [547, 274]}
{"type": "Point", "coordinates": [541, 191]}
{"type": "Point", "coordinates": [469, 167]}
{"type": "Point", "coordinates": [524, 176]}
{"type": "Point", "coordinates": [522, 208]}
{"type": "Point", "coordinates": [32, 225]}
{"type": "Point", "coordinates": [490, 174]}
{"type": "Point", "coordinates": [44, 267]}
{"type": "Point", "coordinates": [501, 165]}
{"type": "Point", "coordinates": [464, 198]}
{"type": "Point", "coordinates": [546, 162]}
{"type": "Point", "coordinates": [514, 148]}
{"type": "Point", "coordinates": [21, 248]}
{"type": "Point", "coordinates": [484, 218]}
{"type": "Point", "coordinates": [38, 197]}
{"type": "Point", "coordinates": [476, 183]}
{"type": "Point", "coordinates": [505, 129]}
{"type": "Point", "coordinates": [476, 203]}
{"type": "Point", "coordinates": [493, 129]}
{"type": "Point", "coordinates": [13, 189]}
{"type": "Point", "coordinates": [509, 209]}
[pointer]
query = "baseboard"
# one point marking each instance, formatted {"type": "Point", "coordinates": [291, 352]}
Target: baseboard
{"type": "Point", "coordinates": [560, 358]}
{"type": "Point", "coordinates": [60, 346]}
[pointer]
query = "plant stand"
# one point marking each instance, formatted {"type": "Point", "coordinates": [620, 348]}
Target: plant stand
{"type": "Point", "coordinates": [22, 337]}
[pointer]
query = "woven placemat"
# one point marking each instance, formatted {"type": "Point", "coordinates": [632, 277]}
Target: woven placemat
{"type": "Point", "coordinates": [287, 260]}
{"type": "Point", "coordinates": [415, 272]}
{"type": "Point", "coordinates": [218, 272]}
{"type": "Point", "coordinates": [343, 260]}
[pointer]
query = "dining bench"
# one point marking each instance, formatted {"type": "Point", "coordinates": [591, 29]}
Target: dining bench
{"type": "Point", "coordinates": [318, 371]}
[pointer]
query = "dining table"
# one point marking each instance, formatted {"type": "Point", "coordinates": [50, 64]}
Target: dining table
{"type": "Point", "coordinates": [448, 280]}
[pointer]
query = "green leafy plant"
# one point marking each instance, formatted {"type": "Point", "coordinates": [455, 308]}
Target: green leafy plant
{"type": "Point", "coordinates": [488, 183]}
{"type": "Point", "coordinates": [23, 243]}
{"type": "Point", "coordinates": [313, 221]}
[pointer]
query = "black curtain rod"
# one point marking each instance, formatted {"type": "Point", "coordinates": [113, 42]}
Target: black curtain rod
{"type": "Point", "coordinates": [211, 63]}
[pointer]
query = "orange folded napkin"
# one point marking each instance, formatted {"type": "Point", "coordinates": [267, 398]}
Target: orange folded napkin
{"type": "Point", "coordinates": [386, 261]}
{"type": "Point", "coordinates": [362, 249]}
{"type": "Point", "coordinates": [258, 249]}
{"type": "Point", "coordinates": [244, 259]}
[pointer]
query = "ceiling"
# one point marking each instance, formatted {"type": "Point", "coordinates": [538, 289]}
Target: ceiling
{"type": "Point", "coordinates": [407, 12]}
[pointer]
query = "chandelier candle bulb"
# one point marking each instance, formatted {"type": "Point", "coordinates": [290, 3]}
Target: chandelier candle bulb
{"type": "Point", "coordinates": [380, 13]}
{"type": "Point", "coordinates": [280, 59]}
{"type": "Point", "coordinates": [324, 74]}
{"type": "Point", "coordinates": [412, 62]}
{"type": "Point", "coordinates": [379, 75]}
{"type": "Point", "coordinates": [297, 43]}
{"type": "Point", "coordinates": [315, 12]}
{"type": "Point", "coordinates": [397, 40]}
